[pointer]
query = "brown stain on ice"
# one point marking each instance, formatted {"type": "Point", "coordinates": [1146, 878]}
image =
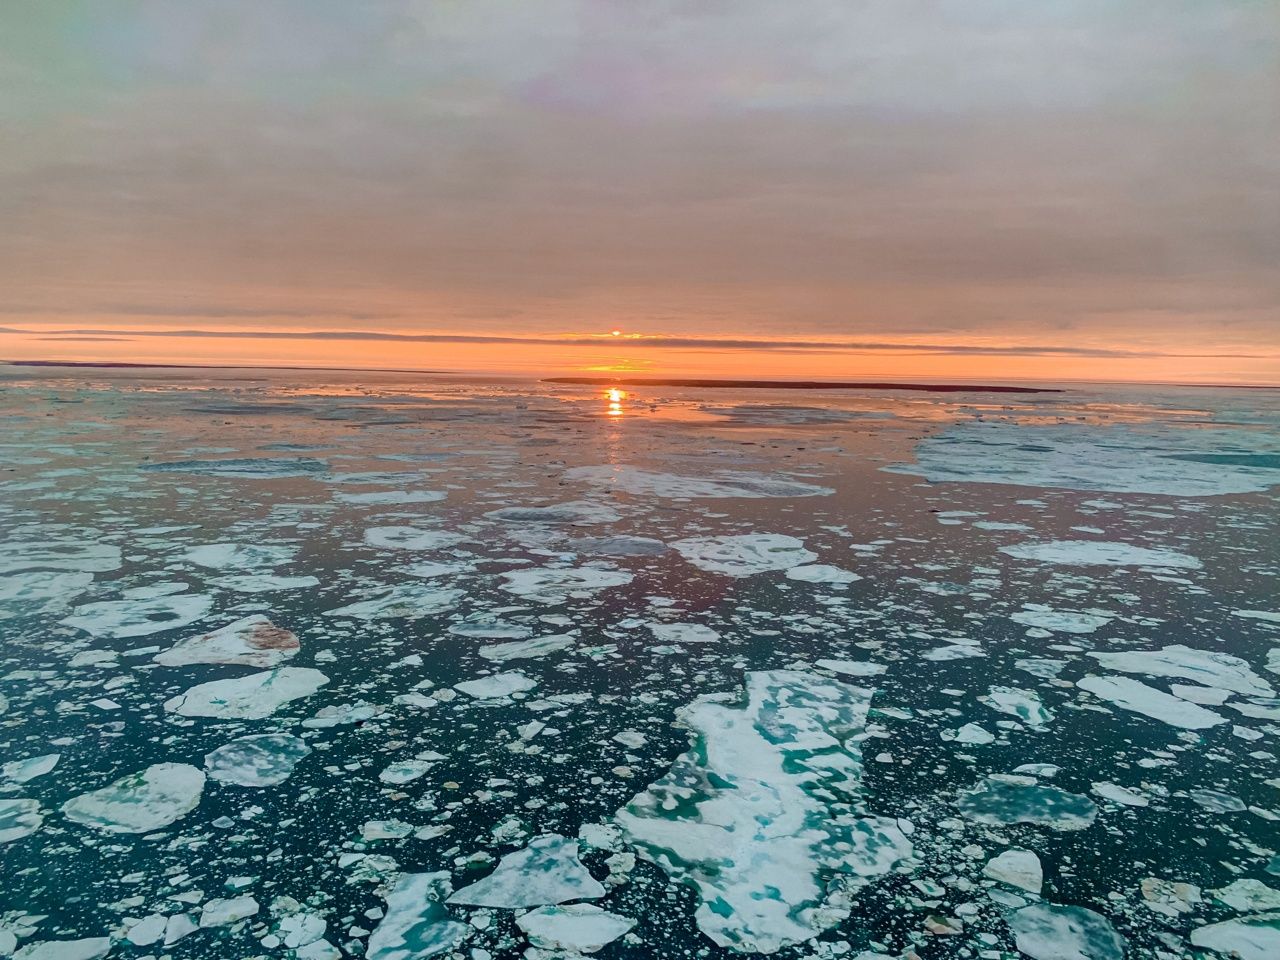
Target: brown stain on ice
{"type": "Point", "coordinates": [267, 636]}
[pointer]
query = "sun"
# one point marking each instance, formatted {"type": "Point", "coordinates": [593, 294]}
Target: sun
{"type": "Point", "coordinates": [615, 333]}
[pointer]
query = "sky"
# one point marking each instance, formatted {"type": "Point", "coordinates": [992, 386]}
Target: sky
{"type": "Point", "coordinates": [824, 188]}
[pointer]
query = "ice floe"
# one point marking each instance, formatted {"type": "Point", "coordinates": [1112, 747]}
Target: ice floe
{"type": "Point", "coordinates": [411, 538]}
{"type": "Point", "coordinates": [1018, 868]}
{"type": "Point", "coordinates": [1006, 799]}
{"type": "Point", "coordinates": [240, 556]}
{"type": "Point", "coordinates": [573, 512]}
{"type": "Point", "coordinates": [252, 642]}
{"type": "Point", "coordinates": [575, 927]}
{"type": "Point", "coordinates": [40, 591]}
{"type": "Point", "coordinates": [139, 617]}
{"type": "Point", "coordinates": [24, 771]}
{"type": "Point", "coordinates": [1136, 697]}
{"type": "Point", "coordinates": [546, 871]}
{"type": "Point", "coordinates": [263, 583]}
{"type": "Point", "coordinates": [496, 686]}
{"type": "Point", "coordinates": [1046, 931]}
{"type": "Point", "coordinates": [251, 697]}
{"type": "Point", "coordinates": [557, 584]}
{"type": "Point", "coordinates": [19, 817]}
{"type": "Point", "coordinates": [141, 802]}
{"type": "Point", "coordinates": [822, 573]}
{"type": "Point", "coordinates": [86, 948]}
{"type": "Point", "coordinates": [379, 498]}
{"type": "Point", "coordinates": [403, 600]}
{"type": "Point", "coordinates": [1086, 553]}
{"type": "Point", "coordinates": [764, 808]}
{"type": "Point", "coordinates": [16, 556]}
{"type": "Point", "coordinates": [1254, 937]}
{"type": "Point", "coordinates": [744, 554]}
{"type": "Point", "coordinates": [251, 468]}
{"type": "Point", "coordinates": [1060, 621]}
{"type": "Point", "coordinates": [683, 633]}
{"type": "Point", "coordinates": [527, 649]}
{"type": "Point", "coordinates": [1023, 704]}
{"type": "Point", "coordinates": [651, 483]}
{"type": "Point", "coordinates": [258, 760]}
{"type": "Point", "coordinates": [1208, 667]}
{"type": "Point", "coordinates": [416, 924]}
{"type": "Point", "coordinates": [1158, 460]}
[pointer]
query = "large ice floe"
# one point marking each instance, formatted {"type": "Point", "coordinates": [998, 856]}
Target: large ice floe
{"type": "Point", "coordinates": [557, 584]}
{"type": "Point", "coordinates": [745, 554]}
{"type": "Point", "coordinates": [1129, 694]}
{"type": "Point", "coordinates": [258, 760]}
{"type": "Point", "coordinates": [652, 483]}
{"type": "Point", "coordinates": [1046, 931]}
{"type": "Point", "coordinates": [546, 871]}
{"type": "Point", "coordinates": [16, 556]}
{"type": "Point", "coordinates": [1158, 459]}
{"type": "Point", "coordinates": [573, 512]}
{"type": "Point", "coordinates": [403, 600]}
{"type": "Point", "coordinates": [252, 642]}
{"type": "Point", "coordinates": [574, 927]}
{"type": "Point", "coordinates": [19, 817]}
{"type": "Point", "coordinates": [1003, 799]}
{"type": "Point", "coordinates": [148, 800]}
{"type": "Point", "coordinates": [251, 697]}
{"type": "Point", "coordinates": [416, 924]}
{"type": "Point", "coordinates": [1100, 553]}
{"type": "Point", "coordinates": [139, 617]}
{"type": "Point", "coordinates": [250, 468]}
{"type": "Point", "coordinates": [40, 591]}
{"type": "Point", "coordinates": [1255, 937]}
{"type": "Point", "coordinates": [239, 556]}
{"type": "Point", "coordinates": [764, 810]}
{"type": "Point", "coordinates": [1210, 668]}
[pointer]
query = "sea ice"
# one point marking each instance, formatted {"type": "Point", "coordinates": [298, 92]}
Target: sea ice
{"type": "Point", "coordinates": [1018, 868]}
{"type": "Point", "coordinates": [1023, 704]}
{"type": "Point", "coordinates": [263, 583]}
{"type": "Point", "coordinates": [407, 600]}
{"type": "Point", "coordinates": [22, 771]}
{"type": "Point", "coordinates": [1046, 931]}
{"type": "Point", "coordinates": [1060, 621]}
{"type": "Point", "coordinates": [557, 584]}
{"type": "Point", "coordinates": [574, 512]}
{"type": "Point", "coordinates": [139, 618]}
{"type": "Point", "coordinates": [1248, 896]}
{"type": "Point", "coordinates": [1203, 666]}
{"type": "Point", "coordinates": [649, 483]}
{"type": "Point", "coordinates": [19, 817]}
{"type": "Point", "coordinates": [1002, 800]}
{"type": "Point", "coordinates": [527, 649]}
{"type": "Point", "coordinates": [546, 871]}
{"type": "Point", "coordinates": [1086, 553]}
{"type": "Point", "coordinates": [40, 591]}
{"type": "Point", "coordinates": [258, 760]}
{"type": "Point", "coordinates": [853, 668]}
{"type": "Point", "coordinates": [240, 556]}
{"type": "Point", "coordinates": [496, 686]}
{"type": "Point", "coordinates": [148, 800]}
{"type": "Point", "coordinates": [87, 948]}
{"type": "Point", "coordinates": [16, 556]}
{"type": "Point", "coordinates": [744, 554]}
{"type": "Point", "coordinates": [251, 697]}
{"type": "Point", "coordinates": [1129, 694]}
{"type": "Point", "coordinates": [252, 642]}
{"type": "Point", "coordinates": [1255, 937]}
{"type": "Point", "coordinates": [379, 498]}
{"type": "Point", "coordinates": [764, 808]}
{"type": "Point", "coordinates": [822, 573]}
{"type": "Point", "coordinates": [416, 924]}
{"type": "Point", "coordinates": [683, 633]}
{"type": "Point", "coordinates": [253, 468]}
{"type": "Point", "coordinates": [575, 927]}
{"type": "Point", "coordinates": [224, 912]}
{"type": "Point", "coordinates": [411, 538]}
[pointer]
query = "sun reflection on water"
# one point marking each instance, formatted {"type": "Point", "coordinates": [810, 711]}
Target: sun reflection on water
{"type": "Point", "coordinates": [614, 397]}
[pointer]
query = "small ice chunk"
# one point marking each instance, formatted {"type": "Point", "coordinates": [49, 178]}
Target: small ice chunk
{"type": "Point", "coordinates": [408, 600]}
{"type": "Point", "coordinates": [411, 538]}
{"type": "Point", "coordinates": [1060, 621]}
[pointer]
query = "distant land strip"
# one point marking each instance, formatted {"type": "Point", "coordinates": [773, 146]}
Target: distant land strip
{"type": "Point", "coordinates": [799, 385]}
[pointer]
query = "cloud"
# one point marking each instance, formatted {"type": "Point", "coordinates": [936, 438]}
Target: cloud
{"type": "Point", "coordinates": [648, 342]}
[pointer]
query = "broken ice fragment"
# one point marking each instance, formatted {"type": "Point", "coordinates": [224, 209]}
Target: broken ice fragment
{"type": "Point", "coordinates": [822, 573]}
{"type": "Point", "coordinates": [408, 600]}
{"type": "Point", "coordinates": [141, 802]}
{"type": "Point", "coordinates": [1100, 553]}
{"type": "Point", "coordinates": [1255, 937]}
{"type": "Point", "coordinates": [252, 642]}
{"type": "Point", "coordinates": [139, 618]}
{"type": "Point", "coordinates": [1023, 704]}
{"type": "Point", "coordinates": [638, 482]}
{"type": "Point", "coordinates": [496, 686]}
{"type": "Point", "coordinates": [1018, 868]}
{"type": "Point", "coordinates": [19, 818]}
{"type": "Point", "coordinates": [683, 633]}
{"type": "Point", "coordinates": [1210, 668]}
{"type": "Point", "coordinates": [527, 649]}
{"type": "Point", "coordinates": [557, 584]}
{"type": "Point", "coordinates": [547, 871]}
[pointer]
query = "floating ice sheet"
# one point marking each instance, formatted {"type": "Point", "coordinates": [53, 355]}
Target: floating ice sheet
{"type": "Point", "coordinates": [1045, 931]}
{"type": "Point", "coordinates": [19, 817]}
{"type": "Point", "coordinates": [16, 556]}
{"type": "Point", "coordinates": [253, 468]}
{"type": "Point", "coordinates": [416, 924]}
{"type": "Point", "coordinates": [764, 808]}
{"type": "Point", "coordinates": [40, 591]}
{"type": "Point", "coordinates": [527, 649]}
{"type": "Point", "coordinates": [140, 617]}
{"type": "Point", "coordinates": [407, 600]}
{"type": "Point", "coordinates": [574, 512]}
{"type": "Point", "coordinates": [240, 556]}
{"type": "Point", "coordinates": [1208, 667]}
{"type": "Point", "coordinates": [1001, 800]}
{"type": "Point", "coordinates": [1060, 621]}
{"type": "Point", "coordinates": [557, 584]}
{"type": "Point", "coordinates": [258, 760]}
{"type": "Point", "coordinates": [575, 927]}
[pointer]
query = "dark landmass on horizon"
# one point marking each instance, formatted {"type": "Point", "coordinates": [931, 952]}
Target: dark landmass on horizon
{"type": "Point", "coordinates": [801, 385]}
